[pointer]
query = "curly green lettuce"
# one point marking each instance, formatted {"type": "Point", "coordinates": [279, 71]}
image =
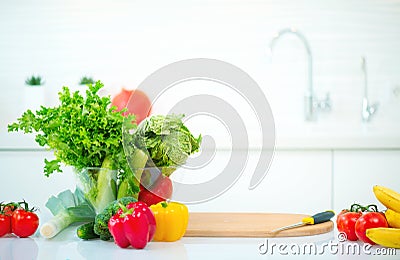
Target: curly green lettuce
{"type": "Point", "coordinates": [82, 131]}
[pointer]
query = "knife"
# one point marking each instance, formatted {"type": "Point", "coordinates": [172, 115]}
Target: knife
{"type": "Point", "coordinates": [314, 219]}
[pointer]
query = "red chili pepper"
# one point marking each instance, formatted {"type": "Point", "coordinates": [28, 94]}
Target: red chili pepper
{"type": "Point", "coordinates": [133, 225]}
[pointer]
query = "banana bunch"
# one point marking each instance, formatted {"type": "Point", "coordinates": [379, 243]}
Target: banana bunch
{"type": "Point", "coordinates": [389, 237]}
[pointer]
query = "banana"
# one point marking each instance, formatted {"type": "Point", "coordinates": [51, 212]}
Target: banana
{"type": "Point", "coordinates": [393, 218]}
{"type": "Point", "coordinates": [388, 197]}
{"type": "Point", "coordinates": [388, 237]}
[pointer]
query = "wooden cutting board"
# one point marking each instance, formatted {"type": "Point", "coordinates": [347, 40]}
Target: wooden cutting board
{"type": "Point", "coordinates": [250, 225]}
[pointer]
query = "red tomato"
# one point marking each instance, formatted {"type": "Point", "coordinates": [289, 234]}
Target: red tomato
{"type": "Point", "coordinates": [369, 220]}
{"type": "Point", "coordinates": [5, 224]}
{"type": "Point", "coordinates": [6, 211]}
{"type": "Point", "coordinates": [136, 101]}
{"type": "Point", "coordinates": [121, 99]}
{"type": "Point", "coordinates": [346, 222]}
{"type": "Point", "coordinates": [159, 191]}
{"type": "Point", "coordinates": [9, 208]}
{"type": "Point", "coordinates": [341, 213]}
{"type": "Point", "coordinates": [24, 223]}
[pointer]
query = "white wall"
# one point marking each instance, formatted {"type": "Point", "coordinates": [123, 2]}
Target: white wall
{"type": "Point", "coordinates": [122, 42]}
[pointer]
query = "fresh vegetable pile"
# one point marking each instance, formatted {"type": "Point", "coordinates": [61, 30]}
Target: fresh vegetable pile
{"type": "Point", "coordinates": [136, 224]}
{"type": "Point", "coordinates": [18, 219]}
{"type": "Point", "coordinates": [371, 226]}
{"type": "Point", "coordinates": [115, 160]}
{"type": "Point", "coordinates": [133, 223]}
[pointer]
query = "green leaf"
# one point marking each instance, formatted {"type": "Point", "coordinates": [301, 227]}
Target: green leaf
{"type": "Point", "coordinates": [51, 166]}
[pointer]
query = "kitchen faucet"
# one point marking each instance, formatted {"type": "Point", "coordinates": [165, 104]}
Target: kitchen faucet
{"type": "Point", "coordinates": [367, 109]}
{"type": "Point", "coordinates": [311, 103]}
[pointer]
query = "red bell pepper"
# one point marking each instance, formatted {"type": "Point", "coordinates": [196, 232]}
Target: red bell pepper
{"type": "Point", "coordinates": [133, 225]}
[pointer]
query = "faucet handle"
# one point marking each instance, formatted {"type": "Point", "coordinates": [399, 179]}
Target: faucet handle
{"type": "Point", "coordinates": [373, 108]}
{"type": "Point", "coordinates": [368, 110]}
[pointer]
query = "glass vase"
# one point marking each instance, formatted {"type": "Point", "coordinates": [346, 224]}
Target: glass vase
{"type": "Point", "coordinates": [99, 185]}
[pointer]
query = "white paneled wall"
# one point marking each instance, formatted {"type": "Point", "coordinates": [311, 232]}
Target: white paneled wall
{"type": "Point", "coordinates": [121, 42]}
{"type": "Point", "coordinates": [298, 181]}
{"type": "Point", "coordinates": [356, 172]}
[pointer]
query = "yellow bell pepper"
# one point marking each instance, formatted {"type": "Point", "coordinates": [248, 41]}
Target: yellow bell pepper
{"type": "Point", "coordinates": [171, 220]}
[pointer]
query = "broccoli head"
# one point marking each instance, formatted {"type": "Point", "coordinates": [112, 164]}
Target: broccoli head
{"type": "Point", "coordinates": [101, 220]}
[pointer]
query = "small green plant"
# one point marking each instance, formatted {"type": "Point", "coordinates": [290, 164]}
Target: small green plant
{"type": "Point", "coordinates": [86, 80]}
{"type": "Point", "coordinates": [34, 81]}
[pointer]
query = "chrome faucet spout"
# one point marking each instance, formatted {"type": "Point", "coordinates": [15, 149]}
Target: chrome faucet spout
{"type": "Point", "coordinates": [303, 39]}
{"type": "Point", "coordinates": [311, 103]}
{"type": "Point", "coordinates": [367, 109]}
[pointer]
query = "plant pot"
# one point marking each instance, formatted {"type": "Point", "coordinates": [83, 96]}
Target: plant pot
{"type": "Point", "coordinates": [99, 186]}
{"type": "Point", "coordinates": [34, 97]}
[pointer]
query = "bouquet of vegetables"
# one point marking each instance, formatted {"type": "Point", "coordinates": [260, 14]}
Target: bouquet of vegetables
{"type": "Point", "coordinates": [88, 133]}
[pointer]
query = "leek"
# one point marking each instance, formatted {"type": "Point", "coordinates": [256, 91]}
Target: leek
{"type": "Point", "coordinates": [67, 208]}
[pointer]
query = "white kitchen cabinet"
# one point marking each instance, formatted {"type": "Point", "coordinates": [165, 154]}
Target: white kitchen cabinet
{"type": "Point", "coordinates": [356, 172]}
{"type": "Point", "coordinates": [22, 177]}
{"type": "Point", "coordinates": [290, 185]}
{"type": "Point", "coordinates": [297, 182]}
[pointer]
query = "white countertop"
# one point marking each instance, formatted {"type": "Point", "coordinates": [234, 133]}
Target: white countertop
{"type": "Point", "coordinates": [67, 246]}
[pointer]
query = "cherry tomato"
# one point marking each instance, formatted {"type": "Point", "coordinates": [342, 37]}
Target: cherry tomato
{"type": "Point", "coordinates": [24, 223]}
{"type": "Point", "coordinates": [9, 208]}
{"type": "Point", "coordinates": [341, 213]}
{"type": "Point", "coordinates": [369, 220]}
{"type": "Point", "coordinates": [5, 224]}
{"type": "Point", "coordinates": [6, 211]}
{"type": "Point", "coordinates": [346, 222]}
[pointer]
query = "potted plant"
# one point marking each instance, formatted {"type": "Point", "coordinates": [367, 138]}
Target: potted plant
{"type": "Point", "coordinates": [81, 86]}
{"type": "Point", "coordinates": [86, 80]}
{"type": "Point", "coordinates": [34, 92]}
